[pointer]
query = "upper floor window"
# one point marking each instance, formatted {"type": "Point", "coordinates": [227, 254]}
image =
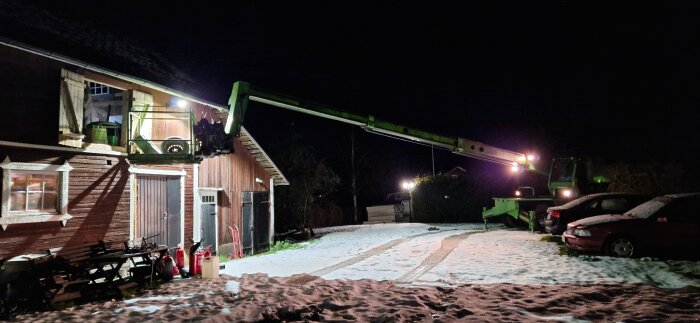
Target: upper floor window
{"type": "Point", "coordinates": [97, 88]}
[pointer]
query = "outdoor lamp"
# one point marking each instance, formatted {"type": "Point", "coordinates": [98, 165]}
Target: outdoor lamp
{"type": "Point", "coordinates": [181, 103]}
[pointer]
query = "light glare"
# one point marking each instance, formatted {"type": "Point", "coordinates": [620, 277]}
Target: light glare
{"type": "Point", "coordinates": [181, 103]}
{"type": "Point", "coordinates": [566, 193]}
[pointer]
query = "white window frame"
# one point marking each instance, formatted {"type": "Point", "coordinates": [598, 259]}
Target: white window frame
{"type": "Point", "coordinates": [92, 85]}
{"type": "Point", "coordinates": [8, 217]}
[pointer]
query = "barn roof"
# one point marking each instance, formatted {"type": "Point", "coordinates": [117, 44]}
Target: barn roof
{"type": "Point", "coordinates": [262, 158]}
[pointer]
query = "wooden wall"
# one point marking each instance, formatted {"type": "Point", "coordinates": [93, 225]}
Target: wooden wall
{"type": "Point", "coordinates": [98, 200]}
{"type": "Point", "coordinates": [234, 173]}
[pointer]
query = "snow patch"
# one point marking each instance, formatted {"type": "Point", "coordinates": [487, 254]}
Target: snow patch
{"type": "Point", "coordinates": [233, 286]}
{"type": "Point", "coordinates": [565, 318]}
{"type": "Point", "coordinates": [156, 298]}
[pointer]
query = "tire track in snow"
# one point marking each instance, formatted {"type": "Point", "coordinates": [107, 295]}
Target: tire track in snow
{"type": "Point", "coordinates": [305, 278]}
{"type": "Point", "coordinates": [446, 246]}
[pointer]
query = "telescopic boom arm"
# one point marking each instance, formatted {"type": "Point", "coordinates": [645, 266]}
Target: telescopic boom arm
{"type": "Point", "coordinates": [244, 92]}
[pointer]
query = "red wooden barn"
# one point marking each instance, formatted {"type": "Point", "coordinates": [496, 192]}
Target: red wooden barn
{"type": "Point", "coordinates": [67, 128]}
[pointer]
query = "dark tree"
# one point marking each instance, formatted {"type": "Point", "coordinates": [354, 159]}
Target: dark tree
{"type": "Point", "coordinates": [311, 181]}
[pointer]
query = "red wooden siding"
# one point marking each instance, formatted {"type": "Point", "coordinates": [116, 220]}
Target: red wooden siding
{"type": "Point", "coordinates": [98, 200]}
{"type": "Point", "coordinates": [234, 173]}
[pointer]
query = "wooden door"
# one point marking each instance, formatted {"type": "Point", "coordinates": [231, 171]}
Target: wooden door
{"type": "Point", "coordinates": [158, 216]}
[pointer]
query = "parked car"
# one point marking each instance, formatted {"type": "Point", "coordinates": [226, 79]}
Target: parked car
{"type": "Point", "coordinates": [668, 223]}
{"type": "Point", "coordinates": [594, 204]}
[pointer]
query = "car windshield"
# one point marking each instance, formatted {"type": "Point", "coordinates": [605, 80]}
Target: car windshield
{"type": "Point", "coordinates": [579, 201]}
{"type": "Point", "coordinates": [646, 209]}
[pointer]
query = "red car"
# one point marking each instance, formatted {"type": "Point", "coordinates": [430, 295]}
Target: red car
{"type": "Point", "coordinates": [668, 223]}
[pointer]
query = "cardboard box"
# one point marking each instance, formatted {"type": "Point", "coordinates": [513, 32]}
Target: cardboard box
{"type": "Point", "coordinates": [210, 267]}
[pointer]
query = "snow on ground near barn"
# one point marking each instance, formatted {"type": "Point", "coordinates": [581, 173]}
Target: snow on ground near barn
{"type": "Point", "coordinates": [394, 251]}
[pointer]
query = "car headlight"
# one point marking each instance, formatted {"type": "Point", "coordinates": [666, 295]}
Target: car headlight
{"type": "Point", "coordinates": [582, 233]}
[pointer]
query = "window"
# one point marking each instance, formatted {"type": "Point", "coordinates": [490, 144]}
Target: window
{"type": "Point", "coordinates": [614, 204]}
{"type": "Point", "coordinates": [681, 210]}
{"type": "Point", "coordinates": [34, 193]}
{"type": "Point", "coordinates": [97, 88]}
{"type": "Point", "coordinates": [103, 113]}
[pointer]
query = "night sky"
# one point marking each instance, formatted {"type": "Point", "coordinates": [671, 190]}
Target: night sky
{"type": "Point", "coordinates": [617, 81]}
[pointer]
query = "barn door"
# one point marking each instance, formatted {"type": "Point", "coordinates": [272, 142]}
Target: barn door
{"type": "Point", "coordinates": [158, 209]}
{"type": "Point", "coordinates": [208, 219]}
{"type": "Point", "coordinates": [262, 222]}
{"type": "Point", "coordinates": [256, 222]}
{"type": "Point", "coordinates": [70, 119]}
{"type": "Point", "coordinates": [141, 123]}
{"type": "Point", "coordinates": [174, 225]}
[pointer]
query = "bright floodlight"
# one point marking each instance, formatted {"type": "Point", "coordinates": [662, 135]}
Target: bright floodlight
{"type": "Point", "coordinates": [531, 157]}
{"type": "Point", "coordinates": [408, 185]}
{"type": "Point", "coordinates": [181, 103]}
{"type": "Point", "coordinates": [517, 193]}
{"type": "Point", "coordinates": [411, 185]}
{"type": "Point", "coordinates": [566, 193]}
{"type": "Point", "coordinates": [515, 168]}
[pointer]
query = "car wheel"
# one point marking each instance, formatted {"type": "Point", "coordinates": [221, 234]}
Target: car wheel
{"type": "Point", "coordinates": [621, 247]}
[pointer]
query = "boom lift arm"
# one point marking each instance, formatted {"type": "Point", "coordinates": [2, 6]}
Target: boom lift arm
{"type": "Point", "coordinates": [244, 92]}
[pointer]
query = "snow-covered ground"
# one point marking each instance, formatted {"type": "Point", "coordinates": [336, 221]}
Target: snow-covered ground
{"type": "Point", "coordinates": [457, 254]}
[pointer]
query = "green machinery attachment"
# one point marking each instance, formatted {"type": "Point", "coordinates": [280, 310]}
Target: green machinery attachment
{"type": "Point", "coordinates": [244, 92]}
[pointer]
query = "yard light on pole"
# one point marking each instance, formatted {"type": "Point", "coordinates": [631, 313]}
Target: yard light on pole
{"type": "Point", "coordinates": [409, 186]}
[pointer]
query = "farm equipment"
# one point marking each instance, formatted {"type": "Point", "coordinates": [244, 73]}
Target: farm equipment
{"type": "Point", "coordinates": [568, 177]}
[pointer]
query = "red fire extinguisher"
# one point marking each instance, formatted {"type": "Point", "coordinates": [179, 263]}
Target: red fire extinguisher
{"type": "Point", "coordinates": [198, 255]}
{"type": "Point", "coordinates": [193, 258]}
{"type": "Point", "coordinates": [180, 257]}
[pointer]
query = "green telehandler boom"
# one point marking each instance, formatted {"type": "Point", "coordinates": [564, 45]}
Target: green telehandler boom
{"type": "Point", "coordinates": [244, 92]}
{"type": "Point", "coordinates": [530, 210]}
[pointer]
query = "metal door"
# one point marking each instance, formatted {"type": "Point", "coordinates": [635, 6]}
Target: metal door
{"type": "Point", "coordinates": [262, 222]}
{"type": "Point", "coordinates": [256, 221]}
{"type": "Point", "coordinates": [208, 219]}
{"type": "Point", "coordinates": [158, 209]}
{"type": "Point", "coordinates": [174, 226]}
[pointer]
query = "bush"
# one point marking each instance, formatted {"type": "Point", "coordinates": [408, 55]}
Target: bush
{"type": "Point", "coordinates": [444, 199]}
